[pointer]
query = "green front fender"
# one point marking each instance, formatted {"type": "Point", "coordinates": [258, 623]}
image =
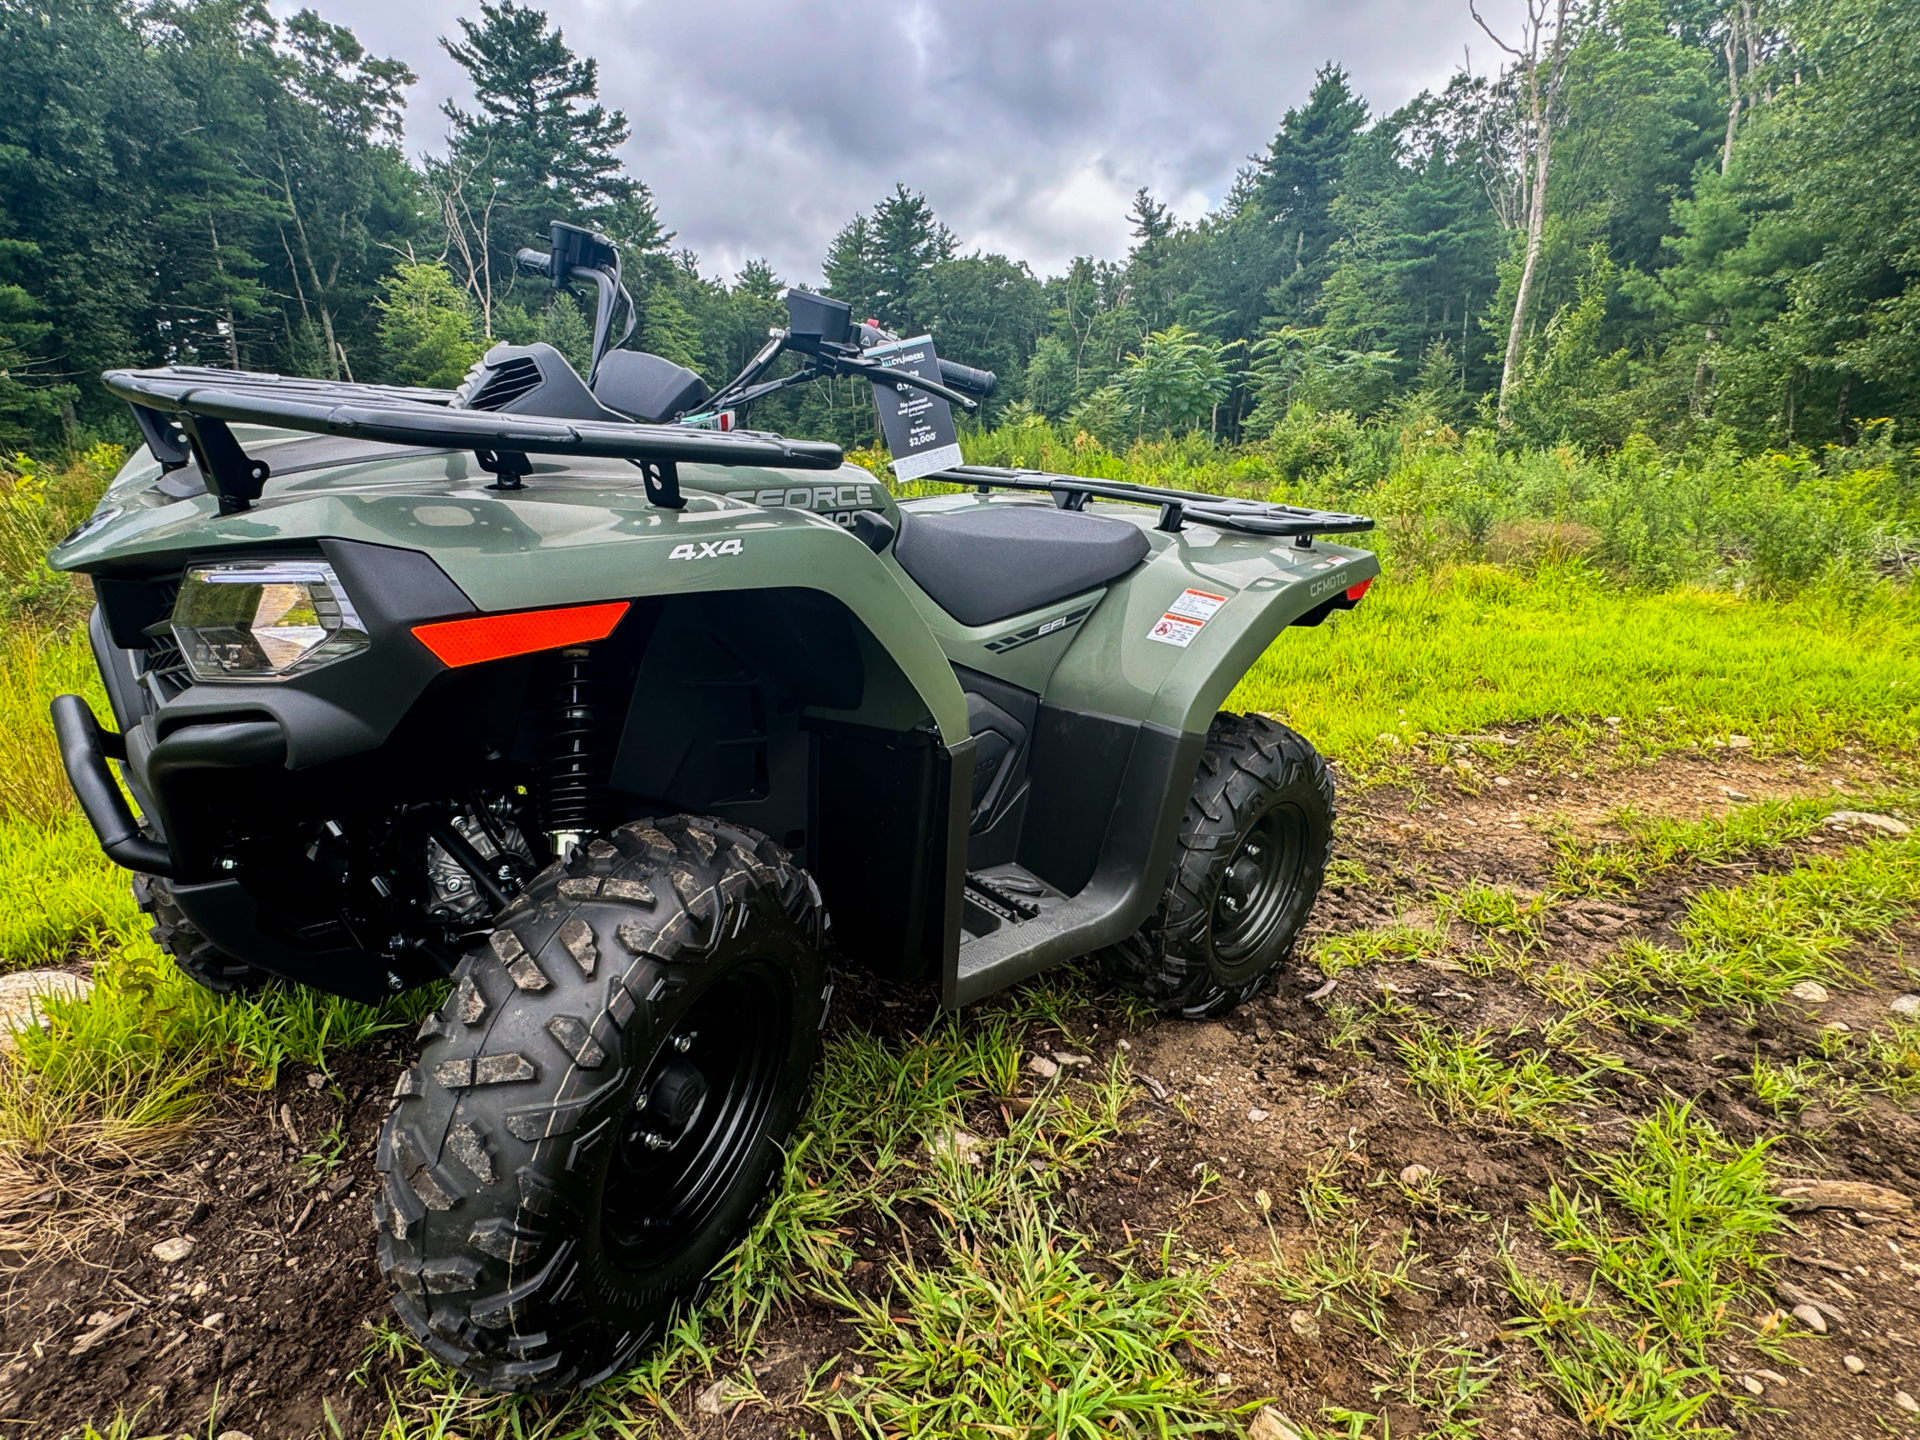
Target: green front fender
{"type": "Point", "coordinates": [580, 531]}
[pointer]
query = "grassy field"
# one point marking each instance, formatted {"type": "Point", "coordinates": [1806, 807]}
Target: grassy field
{"type": "Point", "coordinates": [961, 1248]}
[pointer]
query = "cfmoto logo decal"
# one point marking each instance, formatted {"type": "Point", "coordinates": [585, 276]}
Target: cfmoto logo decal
{"type": "Point", "coordinates": [1327, 586]}
{"type": "Point", "coordinates": [707, 550]}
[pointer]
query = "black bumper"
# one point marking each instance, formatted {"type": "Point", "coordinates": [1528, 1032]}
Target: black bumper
{"type": "Point", "coordinates": [84, 751]}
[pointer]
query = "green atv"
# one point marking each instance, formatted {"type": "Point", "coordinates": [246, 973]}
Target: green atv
{"type": "Point", "coordinates": [413, 685]}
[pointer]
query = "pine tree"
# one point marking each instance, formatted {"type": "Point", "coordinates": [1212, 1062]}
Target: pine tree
{"type": "Point", "coordinates": [538, 146]}
{"type": "Point", "coordinates": [1297, 181]}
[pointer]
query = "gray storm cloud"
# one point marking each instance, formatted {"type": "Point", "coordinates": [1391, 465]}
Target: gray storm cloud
{"type": "Point", "coordinates": [763, 127]}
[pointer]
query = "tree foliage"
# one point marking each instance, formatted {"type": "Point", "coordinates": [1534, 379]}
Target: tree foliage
{"type": "Point", "coordinates": [1727, 253]}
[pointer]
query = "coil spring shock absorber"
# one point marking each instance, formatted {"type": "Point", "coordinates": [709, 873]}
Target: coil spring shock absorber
{"type": "Point", "coordinates": [573, 780]}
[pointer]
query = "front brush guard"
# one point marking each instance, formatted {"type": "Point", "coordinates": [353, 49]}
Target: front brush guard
{"type": "Point", "coordinates": [84, 751]}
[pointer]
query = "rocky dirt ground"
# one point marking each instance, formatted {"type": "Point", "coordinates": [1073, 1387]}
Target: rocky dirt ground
{"type": "Point", "coordinates": [240, 1275]}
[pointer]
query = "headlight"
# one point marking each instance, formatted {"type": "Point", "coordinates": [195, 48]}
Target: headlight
{"type": "Point", "coordinates": [263, 619]}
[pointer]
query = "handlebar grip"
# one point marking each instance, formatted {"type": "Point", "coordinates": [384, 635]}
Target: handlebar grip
{"type": "Point", "coordinates": [535, 262]}
{"type": "Point", "coordinates": [965, 377]}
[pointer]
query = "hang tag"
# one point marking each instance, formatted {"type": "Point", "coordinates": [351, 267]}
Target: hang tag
{"type": "Point", "coordinates": [918, 427]}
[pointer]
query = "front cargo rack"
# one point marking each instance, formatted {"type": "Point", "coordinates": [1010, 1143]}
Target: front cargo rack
{"type": "Point", "coordinates": [185, 410]}
{"type": "Point", "coordinates": [1254, 517]}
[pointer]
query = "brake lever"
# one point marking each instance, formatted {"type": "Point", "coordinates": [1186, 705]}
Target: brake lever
{"type": "Point", "coordinates": [881, 375]}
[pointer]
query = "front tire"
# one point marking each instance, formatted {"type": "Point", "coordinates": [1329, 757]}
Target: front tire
{"type": "Point", "coordinates": [1254, 845]}
{"type": "Point", "coordinates": [198, 958]}
{"type": "Point", "coordinates": [601, 1104]}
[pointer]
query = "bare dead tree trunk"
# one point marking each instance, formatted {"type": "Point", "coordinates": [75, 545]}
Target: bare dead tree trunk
{"type": "Point", "coordinates": [1542, 53]}
{"type": "Point", "coordinates": [461, 223]}
{"type": "Point", "coordinates": [1739, 41]}
{"type": "Point", "coordinates": [220, 269]}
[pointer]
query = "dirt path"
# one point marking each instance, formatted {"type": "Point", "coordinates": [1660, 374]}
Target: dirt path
{"type": "Point", "coordinates": [269, 1308]}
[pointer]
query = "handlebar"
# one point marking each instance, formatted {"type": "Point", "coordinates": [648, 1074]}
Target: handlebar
{"type": "Point", "coordinates": [535, 262]}
{"type": "Point", "coordinates": [980, 383]}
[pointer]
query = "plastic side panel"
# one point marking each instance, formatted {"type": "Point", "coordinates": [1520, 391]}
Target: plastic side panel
{"type": "Point", "coordinates": [1243, 590]}
{"type": "Point", "coordinates": [578, 532]}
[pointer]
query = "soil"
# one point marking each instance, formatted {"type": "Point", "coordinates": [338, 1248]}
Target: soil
{"type": "Point", "coordinates": [270, 1308]}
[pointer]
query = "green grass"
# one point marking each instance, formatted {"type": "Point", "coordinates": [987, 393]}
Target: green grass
{"type": "Point", "coordinates": [1347, 1278]}
{"type": "Point", "coordinates": [59, 896]}
{"type": "Point", "coordinates": [1467, 1082]}
{"type": "Point", "coordinates": [1660, 844]}
{"type": "Point", "coordinates": [1014, 1331]}
{"type": "Point", "coordinates": [1748, 945]}
{"type": "Point", "coordinates": [1472, 647]}
{"type": "Point", "coordinates": [1675, 1227]}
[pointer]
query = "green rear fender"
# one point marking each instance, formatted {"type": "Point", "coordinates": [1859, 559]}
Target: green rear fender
{"type": "Point", "coordinates": [1169, 642]}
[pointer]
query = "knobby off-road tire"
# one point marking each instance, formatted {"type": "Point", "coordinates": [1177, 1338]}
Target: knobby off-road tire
{"type": "Point", "coordinates": [601, 1104]}
{"type": "Point", "coordinates": [1254, 844]}
{"type": "Point", "coordinates": [196, 955]}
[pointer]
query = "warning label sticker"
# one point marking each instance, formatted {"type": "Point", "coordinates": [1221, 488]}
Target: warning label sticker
{"type": "Point", "coordinates": [1185, 617]}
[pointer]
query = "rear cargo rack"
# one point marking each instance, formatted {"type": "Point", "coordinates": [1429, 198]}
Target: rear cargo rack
{"type": "Point", "coordinates": [202, 402]}
{"type": "Point", "coordinates": [1177, 507]}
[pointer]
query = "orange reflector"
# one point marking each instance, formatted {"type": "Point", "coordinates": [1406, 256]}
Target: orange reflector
{"type": "Point", "coordinates": [496, 637]}
{"type": "Point", "coordinates": [1354, 592]}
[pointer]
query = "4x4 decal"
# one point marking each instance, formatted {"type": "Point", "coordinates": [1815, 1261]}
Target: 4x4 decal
{"type": "Point", "coordinates": [1040, 631]}
{"type": "Point", "coordinates": [707, 549]}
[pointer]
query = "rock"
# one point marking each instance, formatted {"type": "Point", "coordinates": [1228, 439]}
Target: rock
{"type": "Point", "coordinates": [1843, 1195]}
{"type": "Point", "coordinates": [962, 1145]}
{"type": "Point", "coordinates": [1256, 1115]}
{"type": "Point", "coordinates": [1414, 1176]}
{"type": "Point", "coordinates": [1853, 1363]}
{"type": "Point", "coordinates": [1842, 819]}
{"type": "Point", "coordinates": [172, 1252]}
{"type": "Point", "coordinates": [1838, 1027]}
{"type": "Point", "coordinates": [1752, 1385]}
{"type": "Point", "coordinates": [1739, 742]}
{"type": "Point", "coordinates": [234, 1435]}
{"type": "Point", "coordinates": [1304, 1325]}
{"type": "Point", "coordinates": [1792, 1294]}
{"type": "Point", "coordinates": [1811, 1318]}
{"type": "Point", "coordinates": [22, 992]}
{"type": "Point", "coordinates": [1739, 797]}
{"type": "Point", "coordinates": [1906, 1005]}
{"type": "Point", "coordinates": [1063, 1057]}
{"type": "Point", "coordinates": [103, 1328]}
{"type": "Point", "coordinates": [1906, 1402]}
{"type": "Point", "coordinates": [1270, 1424]}
{"type": "Point", "coordinates": [718, 1397]}
{"type": "Point", "coordinates": [1772, 1377]}
{"type": "Point", "coordinates": [1811, 991]}
{"type": "Point", "coordinates": [1043, 1067]}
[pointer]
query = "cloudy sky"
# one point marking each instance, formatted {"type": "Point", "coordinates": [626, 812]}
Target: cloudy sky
{"type": "Point", "coordinates": [763, 126]}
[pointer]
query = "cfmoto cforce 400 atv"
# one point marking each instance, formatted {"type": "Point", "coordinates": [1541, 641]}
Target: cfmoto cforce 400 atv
{"type": "Point", "coordinates": [573, 692]}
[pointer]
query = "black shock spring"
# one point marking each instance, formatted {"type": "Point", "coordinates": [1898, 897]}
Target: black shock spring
{"type": "Point", "coordinates": [573, 788]}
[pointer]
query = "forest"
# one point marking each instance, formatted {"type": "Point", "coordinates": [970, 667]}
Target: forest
{"type": "Point", "coordinates": [1692, 221]}
{"type": "Point", "coordinates": [1585, 1106]}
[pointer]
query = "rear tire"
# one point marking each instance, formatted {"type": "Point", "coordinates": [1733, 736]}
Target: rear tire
{"type": "Point", "coordinates": [601, 1104]}
{"type": "Point", "coordinates": [204, 964]}
{"type": "Point", "coordinates": [1254, 844]}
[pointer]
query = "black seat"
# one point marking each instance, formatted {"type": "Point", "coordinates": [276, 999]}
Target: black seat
{"type": "Point", "coordinates": [992, 561]}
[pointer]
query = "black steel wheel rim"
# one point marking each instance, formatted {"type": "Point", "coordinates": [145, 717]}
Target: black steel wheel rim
{"type": "Point", "coordinates": [672, 1171]}
{"type": "Point", "coordinates": [1257, 887]}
